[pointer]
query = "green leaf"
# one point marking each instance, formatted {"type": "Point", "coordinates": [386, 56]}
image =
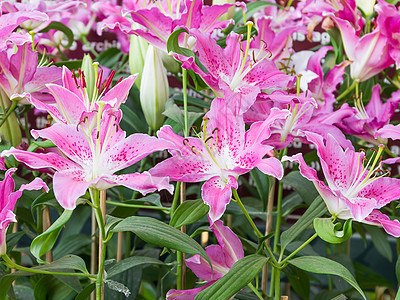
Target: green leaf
{"type": "Point", "coordinates": [322, 265]}
{"type": "Point", "coordinates": [173, 43]}
{"type": "Point", "coordinates": [301, 185]}
{"type": "Point", "coordinates": [61, 27]}
{"type": "Point", "coordinates": [85, 293]}
{"type": "Point", "coordinates": [241, 274]}
{"type": "Point", "coordinates": [109, 58]}
{"type": "Point", "coordinates": [192, 101]}
{"type": "Point", "coordinates": [263, 183]}
{"type": "Point", "coordinates": [69, 262]}
{"type": "Point", "coordinates": [330, 232]}
{"type": "Point", "coordinates": [316, 209]}
{"type": "Point", "coordinates": [132, 262]}
{"type": "Point", "coordinates": [252, 8]}
{"type": "Point", "coordinates": [380, 241]}
{"type": "Point", "coordinates": [44, 242]}
{"type": "Point", "coordinates": [175, 113]}
{"type": "Point", "coordinates": [158, 233]}
{"type": "Point", "coordinates": [133, 121]}
{"type": "Point", "coordinates": [189, 212]}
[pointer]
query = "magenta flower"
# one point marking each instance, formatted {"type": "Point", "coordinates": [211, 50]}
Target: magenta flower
{"type": "Point", "coordinates": [21, 77]}
{"type": "Point", "coordinates": [222, 256]}
{"type": "Point", "coordinates": [369, 119]}
{"type": "Point", "coordinates": [8, 198]}
{"type": "Point", "coordinates": [92, 157]}
{"type": "Point", "coordinates": [235, 73]}
{"type": "Point", "coordinates": [73, 98]}
{"type": "Point", "coordinates": [353, 191]}
{"type": "Point", "coordinates": [369, 54]}
{"type": "Point", "coordinates": [223, 152]}
{"type": "Point", "coordinates": [160, 20]}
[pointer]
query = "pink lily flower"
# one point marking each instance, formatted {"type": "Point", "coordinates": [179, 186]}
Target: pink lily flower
{"type": "Point", "coordinates": [389, 21]}
{"type": "Point", "coordinates": [10, 21]}
{"type": "Point", "coordinates": [20, 76]}
{"type": "Point", "coordinates": [222, 256]}
{"type": "Point", "coordinates": [353, 191]}
{"type": "Point", "coordinates": [222, 153]}
{"type": "Point", "coordinates": [367, 121]}
{"type": "Point", "coordinates": [158, 23]}
{"type": "Point", "coordinates": [235, 74]}
{"type": "Point", "coordinates": [8, 199]}
{"type": "Point", "coordinates": [302, 117]}
{"type": "Point", "coordinates": [92, 156]}
{"type": "Point", "coordinates": [73, 99]}
{"type": "Point", "coordinates": [369, 54]}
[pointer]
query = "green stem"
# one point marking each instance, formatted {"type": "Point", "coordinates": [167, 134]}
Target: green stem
{"type": "Point", "coordinates": [348, 90]}
{"type": "Point", "coordinates": [279, 208]}
{"type": "Point", "coordinates": [176, 198]}
{"type": "Point", "coordinates": [277, 275]}
{"type": "Point", "coordinates": [86, 42]}
{"type": "Point", "coordinates": [194, 89]}
{"type": "Point", "coordinates": [185, 105]}
{"type": "Point", "coordinates": [167, 209]}
{"type": "Point", "coordinates": [26, 127]}
{"type": "Point", "coordinates": [13, 265]}
{"type": "Point", "coordinates": [9, 112]}
{"type": "Point", "coordinates": [95, 196]}
{"type": "Point", "coordinates": [256, 231]}
{"type": "Point", "coordinates": [388, 152]}
{"type": "Point", "coordinates": [179, 258]}
{"type": "Point", "coordinates": [283, 262]}
{"type": "Point", "coordinates": [250, 285]}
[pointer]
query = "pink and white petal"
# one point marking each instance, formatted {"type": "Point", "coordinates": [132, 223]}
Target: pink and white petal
{"type": "Point", "coordinates": [210, 15]}
{"type": "Point", "coordinates": [186, 294]}
{"type": "Point", "coordinates": [201, 268]}
{"type": "Point", "coordinates": [157, 24]}
{"type": "Point", "coordinates": [43, 76]}
{"type": "Point", "coordinates": [132, 149]}
{"type": "Point", "coordinates": [226, 128]}
{"type": "Point", "coordinates": [349, 37]}
{"type": "Point", "coordinates": [305, 170]}
{"type": "Point", "coordinates": [217, 193]}
{"type": "Point", "coordinates": [41, 160]}
{"type": "Point", "coordinates": [52, 110]}
{"type": "Point", "coordinates": [6, 188]}
{"type": "Point", "coordinates": [186, 169]}
{"type": "Point", "coordinates": [71, 142]}
{"type": "Point", "coordinates": [212, 56]}
{"type": "Point", "coordinates": [69, 185]}
{"type": "Point", "coordinates": [377, 218]}
{"type": "Point", "coordinates": [11, 20]}
{"type": "Point", "coordinates": [142, 182]}
{"type": "Point", "coordinates": [36, 184]}
{"type": "Point", "coordinates": [231, 245]}
{"type": "Point", "coordinates": [360, 207]}
{"type": "Point", "coordinates": [389, 132]}
{"type": "Point", "coordinates": [69, 104]}
{"type": "Point", "coordinates": [271, 166]}
{"type": "Point", "coordinates": [384, 190]}
{"type": "Point", "coordinates": [120, 91]}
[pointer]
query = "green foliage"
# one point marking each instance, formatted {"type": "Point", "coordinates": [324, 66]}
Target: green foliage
{"type": "Point", "coordinates": [332, 233]}
{"type": "Point", "coordinates": [189, 212]}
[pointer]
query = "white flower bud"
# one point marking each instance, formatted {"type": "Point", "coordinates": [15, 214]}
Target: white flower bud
{"type": "Point", "coordinates": [154, 88]}
{"type": "Point", "coordinates": [137, 53]}
{"type": "Point", "coordinates": [367, 6]}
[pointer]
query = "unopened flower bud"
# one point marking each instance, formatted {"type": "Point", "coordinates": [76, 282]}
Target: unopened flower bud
{"type": "Point", "coordinates": [154, 88]}
{"type": "Point", "coordinates": [89, 75]}
{"type": "Point", "coordinates": [137, 54]}
{"type": "Point", "coordinates": [367, 6]}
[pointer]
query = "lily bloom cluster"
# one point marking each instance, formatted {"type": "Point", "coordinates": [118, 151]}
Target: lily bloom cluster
{"type": "Point", "coordinates": [264, 97]}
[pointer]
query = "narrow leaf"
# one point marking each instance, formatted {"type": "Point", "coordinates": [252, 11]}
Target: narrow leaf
{"type": "Point", "coordinates": [316, 209]}
{"type": "Point", "coordinates": [158, 233]}
{"type": "Point", "coordinates": [132, 262]}
{"type": "Point", "coordinates": [189, 212]}
{"type": "Point", "coordinates": [322, 265]}
{"type": "Point", "coordinates": [241, 274]}
{"type": "Point", "coordinates": [61, 27]}
{"type": "Point", "coordinates": [44, 242]}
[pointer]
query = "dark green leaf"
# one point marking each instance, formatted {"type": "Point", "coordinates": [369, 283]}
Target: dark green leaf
{"type": "Point", "coordinates": [158, 233]}
{"type": "Point", "coordinates": [132, 262]}
{"type": "Point", "coordinates": [189, 212]}
{"type": "Point", "coordinates": [61, 27]}
{"type": "Point", "coordinates": [49, 287]}
{"type": "Point", "coordinates": [330, 232]}
{"type": "Point", "coordinates": [175, 113]}
{"type": "Point", "coordinates": [262, 182]}
{"type": "Point", "coordinates": [322, 265]}
{"type": "Point", "coordinates": [380, 241]}
{"type": "Point", "coordinates": [12, 239]}
{"type": "Point", "coordinates": [85, 294]}
{"type": "Point", "coordinates": [301, 185]}
{"type": "Point", "coordinates": [44, 242]}
{"type": "Point", "coordinates": [109, 58]}
{"type": "Point", "coordinates": [191, 101]}
{"type": "Point", "coordinates": [70, 64]}
{"type": "Point", "coordinates": [316, 209]}
{"type": "Point", "coordinates": [241, 274]}
{"type": "Point", "coordinates": [133, 121]}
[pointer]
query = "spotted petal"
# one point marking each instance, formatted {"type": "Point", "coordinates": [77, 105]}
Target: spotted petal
{"type": "Point", "coordinates": [217, 193]}
{"type": "Point", "coordinates": [377, 218]}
